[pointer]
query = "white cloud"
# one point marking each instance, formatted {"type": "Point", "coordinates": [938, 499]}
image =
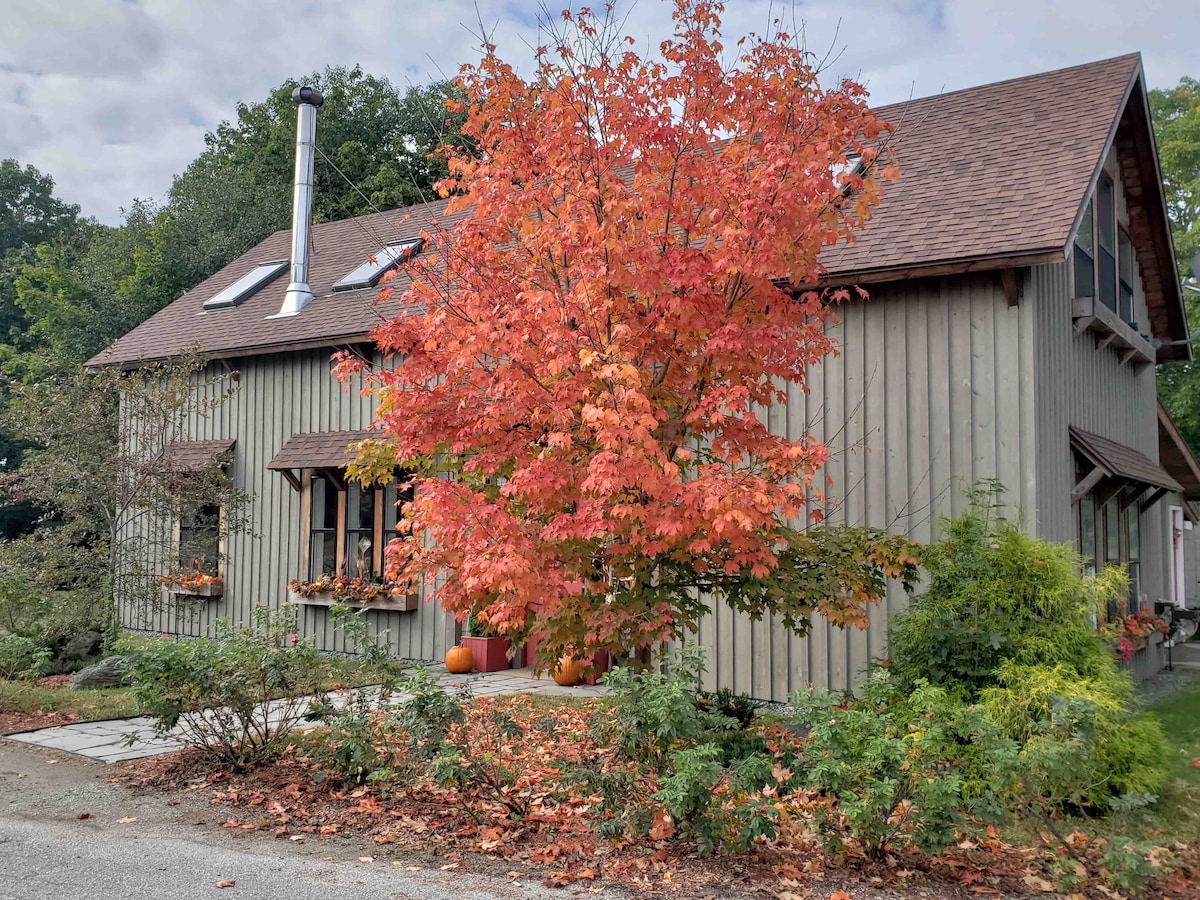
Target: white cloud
{"type": "Point", "coordinates": [113, 97]}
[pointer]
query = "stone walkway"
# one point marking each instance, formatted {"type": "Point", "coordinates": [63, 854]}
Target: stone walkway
{"type": "Point", "coordinates": [109, 741]}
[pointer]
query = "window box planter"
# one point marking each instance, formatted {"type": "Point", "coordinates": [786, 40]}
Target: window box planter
{"type": "Point", "coordinates": [193, 585]}
{"type": "Point", "coordinates": [489, 653]}
{"type": "Point", "coordinates": [208, 589]}
{"type": "Point", "coordinates": [351, 592]}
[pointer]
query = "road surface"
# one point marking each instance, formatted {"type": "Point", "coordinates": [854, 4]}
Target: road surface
{"type": "Point", "coordinates": [176, 849]}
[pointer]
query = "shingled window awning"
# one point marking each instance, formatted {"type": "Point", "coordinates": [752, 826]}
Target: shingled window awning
{"type": "Point", "coordinates": [193, 456]}
{"type": "Point", "coordinates": [315, 450]}
{"type": "Point", "coordinates": [1123, 465]}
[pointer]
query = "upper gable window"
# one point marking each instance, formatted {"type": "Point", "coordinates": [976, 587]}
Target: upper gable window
{"type": "Point", "coordinates": [1106, 231]}
{"type": "Point", "coordinates": [1085, 255]}
{"type": "Point", "coordinates": [1105, 267]}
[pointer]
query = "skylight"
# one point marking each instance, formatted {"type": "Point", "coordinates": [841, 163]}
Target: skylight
{"type": "Point", "coordinates": [369, 273]}
{"type": "Point", "coordinates": [246, 285]}
{"type": "Point", "coordinates": [843, 171]}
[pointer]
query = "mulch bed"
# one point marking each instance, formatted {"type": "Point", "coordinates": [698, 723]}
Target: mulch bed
{"type": "Point", "coordinates": [18, 722]}
{"type": "Point", "coordinates": [433, 826]}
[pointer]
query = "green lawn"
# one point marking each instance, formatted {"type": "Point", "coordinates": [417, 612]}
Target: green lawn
{"type": "Point", "coordinates": [1178, 811]}
{"type": "Point", "coordinates": [86, 705]}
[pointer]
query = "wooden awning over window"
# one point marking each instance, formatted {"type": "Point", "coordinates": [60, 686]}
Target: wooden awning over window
{"type": "Point", "coordinates": [1120, 464]}
{"type": "Point", "coordinates": [315, 450]}
{"type": "Point", "coordinates": [193, 456]}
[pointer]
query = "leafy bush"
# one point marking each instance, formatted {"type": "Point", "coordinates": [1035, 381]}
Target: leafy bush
{"type": "Point", "coordinates": [237, 697]}
{"type": "Point", "coordinates": [892, 763]}
{"type": "Point", "coordinates": [1082, 743]}
{"type": "Point", "coordinates": [22, 657]}
{"type": "Point", "coordinates": [997, 594]}
{"type": "Point", "coordinates": [1008, 620]}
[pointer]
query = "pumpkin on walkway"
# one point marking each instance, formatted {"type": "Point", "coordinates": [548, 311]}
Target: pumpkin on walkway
{"type": "Point", "coordinates": [459, 660]}
{"type": "Point", "coordinates": [568, 671]}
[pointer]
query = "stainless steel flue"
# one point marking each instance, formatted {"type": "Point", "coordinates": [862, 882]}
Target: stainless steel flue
{"type": "Point", "coordinates": [308, 100]}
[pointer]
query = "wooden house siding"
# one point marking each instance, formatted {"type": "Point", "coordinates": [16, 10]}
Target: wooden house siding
{"type": "Point", "coordinates": [279, 395]}
{"type": "Point", "coordinates": [932, 390]}
{"type": "Point", "coordinates": [1083, 385]}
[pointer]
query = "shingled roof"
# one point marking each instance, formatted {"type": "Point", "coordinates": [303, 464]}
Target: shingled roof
{"type": "Point", "coordinates": [991, 177]}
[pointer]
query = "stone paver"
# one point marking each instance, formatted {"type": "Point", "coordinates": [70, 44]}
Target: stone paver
{"type": "Point", "coordinates": [109, 741]}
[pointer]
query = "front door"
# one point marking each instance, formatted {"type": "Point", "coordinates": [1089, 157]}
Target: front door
{"type": "Point", "coordinates": [1177, 586]}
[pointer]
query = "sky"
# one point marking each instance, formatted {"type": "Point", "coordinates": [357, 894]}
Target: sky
{"type": "Point", "coordinates": [112, 98]}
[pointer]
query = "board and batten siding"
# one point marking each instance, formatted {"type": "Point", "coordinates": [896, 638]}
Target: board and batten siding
{"type": "Point", "coordinates": [1083, 385]}
{"type": "Point", "coordinates": [931, 390]}
{"type": "Point", "coordinates": [279, 395]}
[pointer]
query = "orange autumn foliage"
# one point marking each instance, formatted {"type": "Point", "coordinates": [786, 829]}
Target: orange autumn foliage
{"type": "Point", "coordinates": [612, 300]}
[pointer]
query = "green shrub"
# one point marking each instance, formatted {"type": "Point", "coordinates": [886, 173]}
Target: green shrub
{"type": "Point", "coordinates": [22, 658]}
{"type": "Point", "coordinates": [214, 694]}
{"type": "Point", "coordinates": [1083, 744]}
{"type": "Point", "coordinates": [1007, 620]}
{"type": "Point", "coordinates": [893, 762]}
{"type": "Point", "coordinates": [656, 710]}
{"type": "Point", "coordinates": [996, 594]}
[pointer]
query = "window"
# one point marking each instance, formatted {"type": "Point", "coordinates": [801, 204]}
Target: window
{"type": "Point", "coordinates": [369, 273]}
{"type": "Point", "coordinates": [1085, 256]}
{"type": "Point", "coordinates": [350, 526]}
{"type": "Point", "coordinates": [200, 539]}
{"type": "Point", "coordinates": [1106, 232]}
{"type": "Point", "coordinates": [1133, 553]}
{"type": "Point", "coordinates": [260, 275]}
{"type": "Point", "coordinates": [1087, 533]}
{"type": "Point", "coordinates": [1125, 276]}
{"type": "Point", "coordinates": [323, 528]}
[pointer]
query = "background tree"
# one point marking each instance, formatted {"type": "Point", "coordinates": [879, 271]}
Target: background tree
{"type": "Point", "coordinates": [97, 463]}
{"type": "Point", "coordinates": [603, 327]}
{"type": "Point", "coordinates": [1176, 116]}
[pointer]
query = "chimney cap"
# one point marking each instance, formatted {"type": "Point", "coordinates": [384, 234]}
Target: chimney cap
{"type": "Point", "coordinates": [310, 95]}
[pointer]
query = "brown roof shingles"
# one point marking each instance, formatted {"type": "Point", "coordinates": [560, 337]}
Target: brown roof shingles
{"type": "Point", "coordinates": [337, 248]}
{"type": "Point", "coordinates": [1119, 461]}
{"type": "Point", "coordinates": [317, 450]}
{"type": "Point", "coordinates": [988, 173]}
{"type": "Point", "coordinates": [994, 171]}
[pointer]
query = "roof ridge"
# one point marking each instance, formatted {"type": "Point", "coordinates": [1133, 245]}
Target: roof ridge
{"type": "Point", "coordinates": [1033, 76]}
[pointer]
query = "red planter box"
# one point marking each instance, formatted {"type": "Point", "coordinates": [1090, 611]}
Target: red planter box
{"type": "Point", "coordinates": [490, 654]}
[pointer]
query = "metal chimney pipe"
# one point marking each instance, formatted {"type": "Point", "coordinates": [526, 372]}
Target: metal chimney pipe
{"type": "Point", "coordinates": [308, 100]}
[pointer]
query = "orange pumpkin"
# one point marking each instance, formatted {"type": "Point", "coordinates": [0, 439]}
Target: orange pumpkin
{"type": "Point", "coordinates": [568, 671]}
{"type": "Point", "coordinates": [459, 660]}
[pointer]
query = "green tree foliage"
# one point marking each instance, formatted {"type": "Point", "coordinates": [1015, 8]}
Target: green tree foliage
{"type": "Point", "coordinates": [29, 212]}
{"type": "Point", "coordinates": [1176, 114]}
{"type": "Point", "coordinates": [238, 190]}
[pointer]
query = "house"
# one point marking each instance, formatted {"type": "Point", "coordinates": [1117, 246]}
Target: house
{"type": "Point", "coordinates": [1022, 290]}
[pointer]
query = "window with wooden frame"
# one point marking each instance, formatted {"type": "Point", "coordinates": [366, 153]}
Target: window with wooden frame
{"type": "Point", "coordinates": [1104, 263]}
{"type": "Point", "coordinates": [199, 539]}
{"type": "Point", "coordinates": [1108, 533]}
{"type": "Point", "coordinates": [349, 526]}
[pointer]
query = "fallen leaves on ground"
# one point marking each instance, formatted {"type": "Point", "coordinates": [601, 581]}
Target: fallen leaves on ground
{"type": "Point", "coordinates": [226, 883]}
{"type": "Point", "coordinates": [295, 798]}
{"type": "Point", "coordinates": [128, 820]}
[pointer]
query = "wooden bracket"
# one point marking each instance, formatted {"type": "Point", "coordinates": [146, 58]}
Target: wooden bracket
{"type": "Point", "coordinates": [1158, 494]}
{"type": "Point", "coordinates": [232, 372]}
{"type": "Point", "coordinates": [291, 477]}
{"type": "Point", "coordinates": [1012, 288]}
{"type": "Point", "coordinates": [1089, 481]}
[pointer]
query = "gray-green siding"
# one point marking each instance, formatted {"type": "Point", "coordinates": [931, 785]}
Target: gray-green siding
{"type": "Point", "coordinates": [277, 396]}
{"type": "Point", "coordinates": [937, 384]}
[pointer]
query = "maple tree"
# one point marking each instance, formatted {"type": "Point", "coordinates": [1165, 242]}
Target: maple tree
{"type": "Point", "coordinates": [617, 294]}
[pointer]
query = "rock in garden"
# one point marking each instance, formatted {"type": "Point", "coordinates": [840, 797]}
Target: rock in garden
{"type": "Point", "coordinates": [81, 646]}
{"type": "Point", "coordinates": [111, 672]}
